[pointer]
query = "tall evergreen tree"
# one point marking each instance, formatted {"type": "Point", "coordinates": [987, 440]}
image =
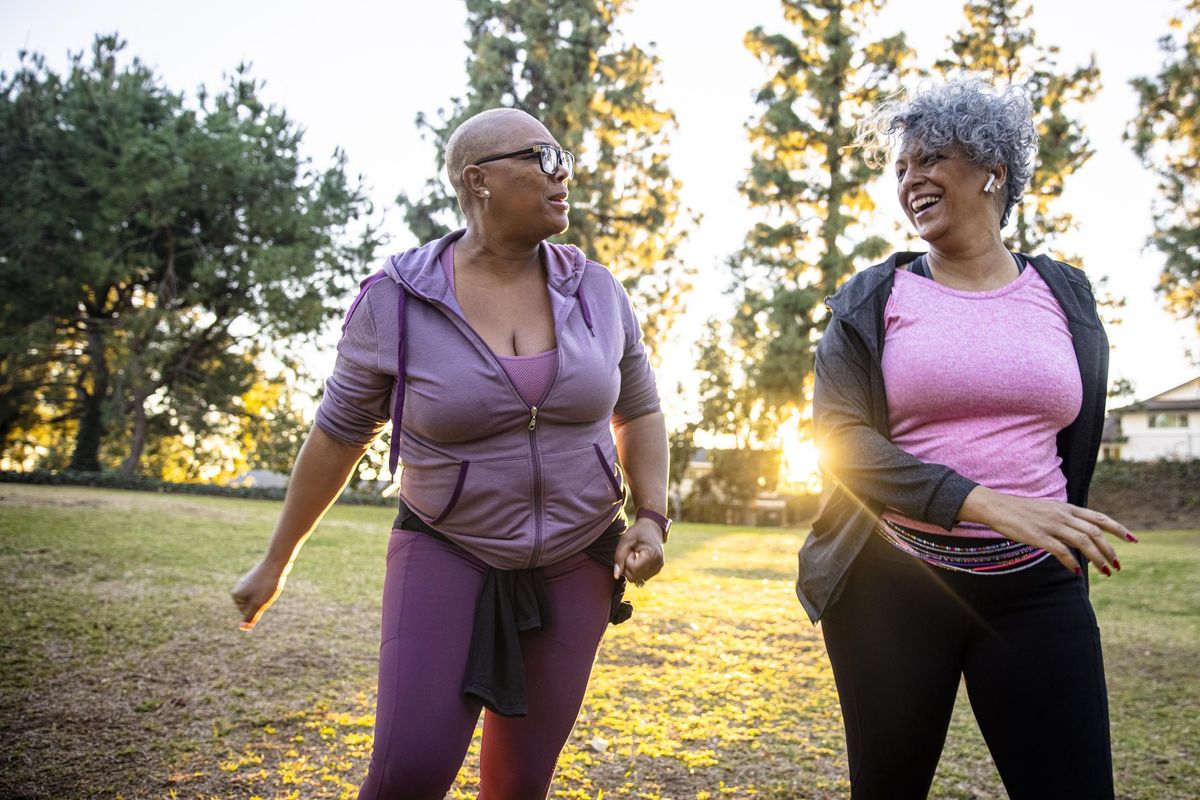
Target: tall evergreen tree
{"type": "Point", "coordinates": [175, 244]}
{"type": "Point", "coordinates": [64, 247]}
{"type": "Point", "coordinates": [811, 186]}
{"type": "Point", "coordinates": [999, 43]}
{"type": "Point", "coordinates": [564, 62]}
{"type": "Point", "coordinates": [1166, 136]}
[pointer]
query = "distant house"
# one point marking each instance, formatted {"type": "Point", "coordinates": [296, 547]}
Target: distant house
{"type": "Point", "coordinates": [698, 499]}
{"type": "Point", "coordinates": [1164, 426]}
{"type": "Point", "coordinates": [262, 478]}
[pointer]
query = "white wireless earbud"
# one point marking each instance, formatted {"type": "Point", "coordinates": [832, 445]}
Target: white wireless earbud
{"type": "Point", "coordinates": [987, 187]}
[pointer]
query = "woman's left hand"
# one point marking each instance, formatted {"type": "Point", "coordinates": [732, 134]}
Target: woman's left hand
{"type": "Point", "coordinates": [639, 553]}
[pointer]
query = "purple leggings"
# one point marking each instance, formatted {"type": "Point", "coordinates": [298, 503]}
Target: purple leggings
{"type": "Point", "coordinates": [423, 724]}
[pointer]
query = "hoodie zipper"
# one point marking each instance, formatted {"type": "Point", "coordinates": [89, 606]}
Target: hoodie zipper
{"type": "Point", "coordinates": [538, 502]}
{"type": "Point", "coordinates": [534, 452]}
{"type": "Point", "coordinates": [482, 346]}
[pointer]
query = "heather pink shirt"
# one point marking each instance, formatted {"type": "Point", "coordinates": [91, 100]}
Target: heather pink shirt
{"type": "Point", "coordinates": [531, 375]}
{"type": "Point", "coordinates": [981, 382]}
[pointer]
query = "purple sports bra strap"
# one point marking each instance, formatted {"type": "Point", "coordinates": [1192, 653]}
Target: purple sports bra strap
{"type": "Point", "coordinates": [398, 404]}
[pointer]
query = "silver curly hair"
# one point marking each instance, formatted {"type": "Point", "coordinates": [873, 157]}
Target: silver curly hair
{"type": "Point", "coordinates": [988, 126]}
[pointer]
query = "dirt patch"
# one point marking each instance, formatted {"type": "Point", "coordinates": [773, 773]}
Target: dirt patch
{"type": "Point", "coordinates": [1147, 508]}
{"type": "Point", "coordinates": [1148, 495]}
{"type": "Point", "coordinates": [106, 708]}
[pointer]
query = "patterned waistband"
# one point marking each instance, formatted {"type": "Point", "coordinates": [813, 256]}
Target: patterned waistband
{"type": "Point", "coordinates": [989, 557]}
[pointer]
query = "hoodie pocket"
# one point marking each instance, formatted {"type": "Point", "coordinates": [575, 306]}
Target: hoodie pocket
{"type": "Point", "coordinates": [455, 494]}
{"type": "Point", "coordinates": [581, 486]}
{"type": "Point", "coordinates": [473, 498]}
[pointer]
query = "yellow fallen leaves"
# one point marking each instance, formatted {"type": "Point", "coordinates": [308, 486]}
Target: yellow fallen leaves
{"type": "Point", "coordinates": [717, 688]}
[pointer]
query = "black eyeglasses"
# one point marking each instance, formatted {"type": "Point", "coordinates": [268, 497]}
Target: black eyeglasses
{"type": "Point", "coordinates": [549, 158]}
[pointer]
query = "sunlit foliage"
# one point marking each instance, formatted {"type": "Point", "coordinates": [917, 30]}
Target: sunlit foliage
{"type": "Point", "coordinates": [1166, 136]}
{"type": "Point", "coordinates": [809, 186]}
{"type": "Point", "coordinates": [566, 63]}
{"type": "Point", "coordinates": [162, 246]}
{"type": "Point", "coordinates": [998, 42]}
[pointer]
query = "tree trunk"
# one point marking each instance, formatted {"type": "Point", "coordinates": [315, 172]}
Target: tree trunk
{"type": "Point", "coordinates": [10, 408]}
{"type": "Point", "coordinates": [7, 422]}
{"type": "Point", "coordinates": [138, 442]}
{"type": "Point", "coordinates": [86, 456]}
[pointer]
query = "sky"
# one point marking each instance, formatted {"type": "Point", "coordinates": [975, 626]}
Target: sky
{"type": "Point", "coordinates": [355, 74]}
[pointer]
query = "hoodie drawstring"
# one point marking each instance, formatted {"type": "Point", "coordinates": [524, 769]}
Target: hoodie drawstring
{"type": "Point", "coordinates": [398, 403]}
{"type": "Point", "coordinates": [402, 369]}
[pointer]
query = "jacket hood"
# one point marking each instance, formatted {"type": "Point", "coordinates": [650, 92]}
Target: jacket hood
{"type": "Point", "coordinates": [420, 273]}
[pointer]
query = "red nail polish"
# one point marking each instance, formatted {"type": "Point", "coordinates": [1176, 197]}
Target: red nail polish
{"type": "Point", "coordinates": [1129, 537]}
{"type": "Point", "coordinates": [1117, 564]}
{"type": "Point", "coordinates": [1078, 571]}
{"type": "Point", "coordinates": [1106, 571]}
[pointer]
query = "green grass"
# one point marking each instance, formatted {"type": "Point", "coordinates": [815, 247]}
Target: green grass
{"type": "Point", "coordinates": [123, 673]}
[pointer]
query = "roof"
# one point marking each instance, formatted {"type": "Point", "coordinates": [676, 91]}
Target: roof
{"type": "Point", "coordinates": [1177, 398]}
{"type": "Point", "coordinates": [1159, 405]}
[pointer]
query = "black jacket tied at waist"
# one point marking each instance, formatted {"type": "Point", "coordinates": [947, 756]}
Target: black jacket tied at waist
{"type": "Point", "coordinates": [512, 602]}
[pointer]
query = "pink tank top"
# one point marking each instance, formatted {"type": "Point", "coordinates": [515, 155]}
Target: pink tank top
{"type": "Point", "coordinates": [531, 375]}
{"type": "Point", "coordinates": [981, 382]}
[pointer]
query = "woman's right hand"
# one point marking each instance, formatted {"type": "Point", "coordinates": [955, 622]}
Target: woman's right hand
{"type": "Point", "coordinates": [1049, 524]}
{"type": "Point", "coordinates": [254, 593]}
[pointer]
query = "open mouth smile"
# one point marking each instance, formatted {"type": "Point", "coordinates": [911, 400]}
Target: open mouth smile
{"type": "Point", "coordinates": [924, 202]}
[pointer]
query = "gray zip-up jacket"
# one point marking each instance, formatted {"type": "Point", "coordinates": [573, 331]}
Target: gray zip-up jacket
{"type": "Point", "coordinates": [517, 486]}
{"type": "Point", "coordinates": [864, 471]}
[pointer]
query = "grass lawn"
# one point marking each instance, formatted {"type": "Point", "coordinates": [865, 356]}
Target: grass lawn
{"type": "Point", "coordinates": [123, 674]}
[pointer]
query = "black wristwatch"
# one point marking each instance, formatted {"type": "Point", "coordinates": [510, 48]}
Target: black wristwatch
{"type": "Point", "coordinates": [658, 519]}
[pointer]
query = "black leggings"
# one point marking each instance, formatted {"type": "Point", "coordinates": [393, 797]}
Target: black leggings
{"type": "Point", "coordinates": [903, 632]}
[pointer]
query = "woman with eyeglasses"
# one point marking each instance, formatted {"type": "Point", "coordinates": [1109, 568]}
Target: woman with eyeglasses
{"type": "Point", "coordinates": [514, 375]}
{"type": "Point", "coordinates": [958, 405]}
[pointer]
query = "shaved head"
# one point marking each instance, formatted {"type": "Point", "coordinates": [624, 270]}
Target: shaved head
{"type": "Point", "coordinates": [482, 135]}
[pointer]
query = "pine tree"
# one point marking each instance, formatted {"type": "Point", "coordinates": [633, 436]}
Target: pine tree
{"type": "Point", "coordinates": [999, 44]}
{"type": "Point", "coordinates": [1166, 136]}
{"type": "Point", "coordinates": [166, 246]}
{"type": "Point", "coordinates": [564, 62]}
{"type": "Point", "coordinates": [811, 186]}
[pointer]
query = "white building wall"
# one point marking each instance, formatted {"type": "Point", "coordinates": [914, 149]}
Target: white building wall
{"type": "Point", "coordinates": [1143, 443]}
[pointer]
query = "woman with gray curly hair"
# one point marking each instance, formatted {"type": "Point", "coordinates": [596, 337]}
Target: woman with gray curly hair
{"type": "Point", "coordinates": [958, 406]}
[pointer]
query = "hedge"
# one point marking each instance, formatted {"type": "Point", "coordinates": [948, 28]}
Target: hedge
{"type": "Point", "coordinates": [118, 480]}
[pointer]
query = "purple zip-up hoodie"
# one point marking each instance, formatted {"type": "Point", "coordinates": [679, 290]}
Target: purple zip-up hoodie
{"type": "Point", "coordinates": [517, 486]}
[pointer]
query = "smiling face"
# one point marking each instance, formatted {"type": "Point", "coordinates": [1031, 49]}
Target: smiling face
{"type": "Point", "coordinates": [517, 198]}
{"type": "Point", "coordinates": [943, 196]}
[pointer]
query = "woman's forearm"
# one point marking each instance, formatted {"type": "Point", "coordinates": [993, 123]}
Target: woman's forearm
{"type": "Point", "coordinates": [321, 470]}
{"type": "Point", "coordinates": [642, 448]}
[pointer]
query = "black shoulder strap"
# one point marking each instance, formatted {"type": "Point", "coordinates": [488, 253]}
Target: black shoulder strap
{"type": "Point", "coordinates": [920, 267]}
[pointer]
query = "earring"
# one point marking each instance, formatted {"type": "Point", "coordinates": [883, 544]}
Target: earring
{"type": "Point", "coordinates": [486, 193]}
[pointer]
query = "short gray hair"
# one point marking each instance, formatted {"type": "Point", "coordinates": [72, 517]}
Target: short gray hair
{"type": "Point", "coordinates": [988, 126]}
